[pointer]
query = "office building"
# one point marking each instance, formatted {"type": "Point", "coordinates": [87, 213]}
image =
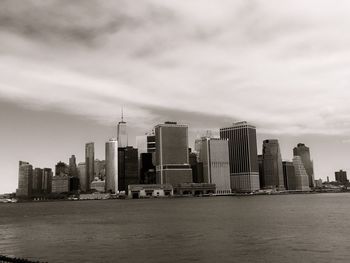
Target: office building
{"type": "Point", "coordinates": [243, 156]}
{"type": "Point", "coordinates": [25, 180]}
{"type": "Point", "coordinates": [172, 157]}
{"type": "Point", "coordinates": [73, 170]}
{"type": "Point", "coordinates": [289, 176]}
{"type": "Point", "coordinates": [197, 168]}
{"type": "Point", "coordinates": [82, 177]}
{"type": "Point", "coordinates": [61, 168]}
{"type": "Point", "coordinates": [111, 182]}
{"type": "Point", "coordinates": [272, 165]}
{"type": "Point", "coordinates": [301, 176]}
{"type": "Point", "coordinates": [261, 170]}
{"type": "Point", "coordinates": [47, 181]}
{"type": "Point", "coordinates": [215, 158]}
{"type": "Point", "coordinates": [341, 177]}
{"type": "Point", "coordinates": [147, 169]}
{"type": "Point", "coordinates": [122, 136]}
{"type": "Point", "coordinates": [128, 171]}
{"type": "Point", "coordinates": [37, 181]}
{"type": "Point", "coordinates": [304, 153]}
{"type": "Point", "coordinates": [60, 184]}
{"type": "Point", "coordinates": [89, 164]}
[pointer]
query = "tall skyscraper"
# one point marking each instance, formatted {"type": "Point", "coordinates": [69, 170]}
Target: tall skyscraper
{"type": "Point", "coordinates": [172, 160]}
{"type": "Point", "coordinates": [111, 183]}
{"type": "Point", "coordinates": [215, 158]}
{"type": "Point", "coordinates": [47, 180]}
{"type": "Point", "coordinates": [37, 181]}
{"type": "Point", "coordinates": [89, 163]}
{"type": "Point", "coordinates": [289, 176]}
{"type": "Point", "coordinates": [272, 165]}
{"type": "Point", "coordinates": [304, 153]}
{"type": "Point", "coordinates": [301, 176]}
{"type": "Point", "coordinates": [128, 167]}
{"type": "Point", "coordinates": [122, 135]}
{"type": "Point", "coordinates": [243, 156]}
{"type": "Point", "coordinates": [25, 180]}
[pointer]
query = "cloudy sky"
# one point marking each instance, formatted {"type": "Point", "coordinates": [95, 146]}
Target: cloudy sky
{"type": "Point", "coordinates": [67, 67]}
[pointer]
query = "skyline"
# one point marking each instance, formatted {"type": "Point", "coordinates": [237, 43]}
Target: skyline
{"type": "Point", "coordinates": [66, 70]}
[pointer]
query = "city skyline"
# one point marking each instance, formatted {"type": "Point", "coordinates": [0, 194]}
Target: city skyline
{"type": "Point", "coordinates": [280, 66]}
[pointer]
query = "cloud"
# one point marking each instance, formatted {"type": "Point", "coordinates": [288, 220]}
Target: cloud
{"type": "Point", "coordinates": [280, 65]}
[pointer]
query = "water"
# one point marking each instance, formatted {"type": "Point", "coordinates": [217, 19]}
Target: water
{"type": "Point", "coordinates": [291, 228]}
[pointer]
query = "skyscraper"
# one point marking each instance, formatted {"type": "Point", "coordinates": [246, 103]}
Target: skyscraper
{"type": "Point", "coordinates": [47, 180]}
{"type": "Point", "coordinates": [73, 171]}
{"type": "Point", "coordinates": [215, 158]}
{"type": "Point", "coordinates": [82, 177]}
{"type": "Point", "coordinates": [37, 181]}
{"type": "Point", "coordinates": [128, 171]}
{"type": "Point", "coordinates": [301, 176]}
{"type": "Point", "coordinates": [172, 160]}
{"type": "Point", "coordinates": [304, 153]}
{"type": "Point", "coordinates": [25, 180]}
{"type": "Point", "coordinates": [243, 156]}
{"type": "Point", "coordinates": [341, 177]}
{"type": "Point", "coordinates": [272, 165]}
{"type": "Point", "coordinates": [89, 163]}
{"type": "Point", "coordinates": [111, 183]}
{"type": "Point", "coordinates": [122, 136]}
{"type": "Point", "coordinates": [289, 176]}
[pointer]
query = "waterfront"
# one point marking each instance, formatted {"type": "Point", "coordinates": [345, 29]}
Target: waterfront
{"type": "Point", "coordinates": [283, 228]}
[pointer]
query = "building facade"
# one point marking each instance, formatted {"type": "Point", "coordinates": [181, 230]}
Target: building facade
{"type": "Point", "coordinates": [304, 153]}
{"type": "Point", "coordinates": [82, 177]}
{"type": "Point", "coordinates": [112, 166]}
{"type": "Point", "coordinates": [128, 171]}
{"type": "Point", "coordinates": [243, 156]}
{"type": "Point", "coordinates": [122, 136]}
{"type": "Point", "coordinates": [47, 180]}
{"type": "Point", "coordinates": [89, 164]}
{"type": "Point", "coordinates": [215, 158]}
{"type": "Point", "coordinates": [25, 180]}
{"type": "Point", "coordinates": [172, 156]}
{"type": "Point", "coordinates": [301, 176]}
{"type": "Point", "coordinates": [272, 165]}
{"type": "Point", "coordinates": [341, 177]}
{"type": "Point", "coordinates": [60, 184]}
{"type": "Point", "coordinates": [289, 176]}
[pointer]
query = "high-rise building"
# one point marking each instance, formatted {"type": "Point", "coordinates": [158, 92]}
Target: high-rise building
{"type": "Point", "coordinates": [37, 181]}
{"type": "Point", "coordinates": [272, 165]}
{"type": "Point", "coordinates": [73, 170]}
{"type": "Point", "coordinates": [215, 158]}
{"type": "Point", "coordinates": [243, 156]}
{"type": "Point", "coordinates": [111, 182]}
{"type": "Point", "coordinates": [122, 135]}
{"type": "Point", "coordinates": [147, 169]}
{"type": "Point", "coordinates": [47, 181]}
{"type": "Point", "coordinates": [197, 168]}
{"type": "Point", "coordinates": [61, 168]}
{"type": "Point", "coordinates": [89, 164]}
{"type": "Point", "coordinates": [341, 177]}
{"type": "Point", "coordinates": [301, 176]}
{"type": "Point", "coordinates": [128, 171]}
{"type": "Point", "coordinates": [261, 170]}
{"type": "Point", "coordinates": [25, 180]}
{"type": "Point", "coordinates": [172, 160]}
{"type": "Point", "coordinates": [304, 153]}
{"type": "Point", "coordinates": [289, 176]}
{"type": "Point", "coordinates": [60, 184]}
{"type": "Point", "coordinates": [82, 177]}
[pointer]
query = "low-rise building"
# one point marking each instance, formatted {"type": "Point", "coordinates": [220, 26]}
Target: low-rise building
{"type": "Point", "coordinates": [149, 190]}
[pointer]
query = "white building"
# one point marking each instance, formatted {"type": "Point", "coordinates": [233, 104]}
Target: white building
{"type": "Point", "coordinates": [213, 153]}
{"type": "Point", "coordinates": [301, 176]}
{"type": "Point", "coordinates": [112, 166]}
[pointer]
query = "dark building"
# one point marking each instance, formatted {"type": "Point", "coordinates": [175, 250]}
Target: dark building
{"type": "Point", "coordinates": [73, 170]}
{"type": "Point", "coordinates": [272, 165]}
{"type": "Point", "coordinates": [197, 168]}
{"type": "Point", "coordinates": [127, 167]}
{"type": "Point", "coordinates": [261, 170]}
{"type": "Point", "coordinates": [74, 184]}
{"type": "Point", "coordinates": [37, 181]}
{"type": "Point", "coordinates": [289, 177]}
{"type": "Point", "coordinates": [243, 156]}
{"type": "Point", "coordinates": [47, 181]}
{"type": "Point", "coordinates": [304, 153]}
{"type": "Point", "coordinates": [89, 164]}
{"type": "Point", "coordinates": [61, 168]}
{"type": "Point", "coordinates": [147, 169]}
{"type": "Point", "coordinates": [151, 143]}
{"type": "Point", "coordinates": [172, 161]}
{"type": "Point", "coordinates": [341, 177]}
{"type": "Point", "coordinates": [25, 180]}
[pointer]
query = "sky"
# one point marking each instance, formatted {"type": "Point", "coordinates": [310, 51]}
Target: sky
{"type": "Point", "coordinates": [67, 68]}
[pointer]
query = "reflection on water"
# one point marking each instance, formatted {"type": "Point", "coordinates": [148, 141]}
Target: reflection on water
{"type": "Point", "coordinates": [303, 228]}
